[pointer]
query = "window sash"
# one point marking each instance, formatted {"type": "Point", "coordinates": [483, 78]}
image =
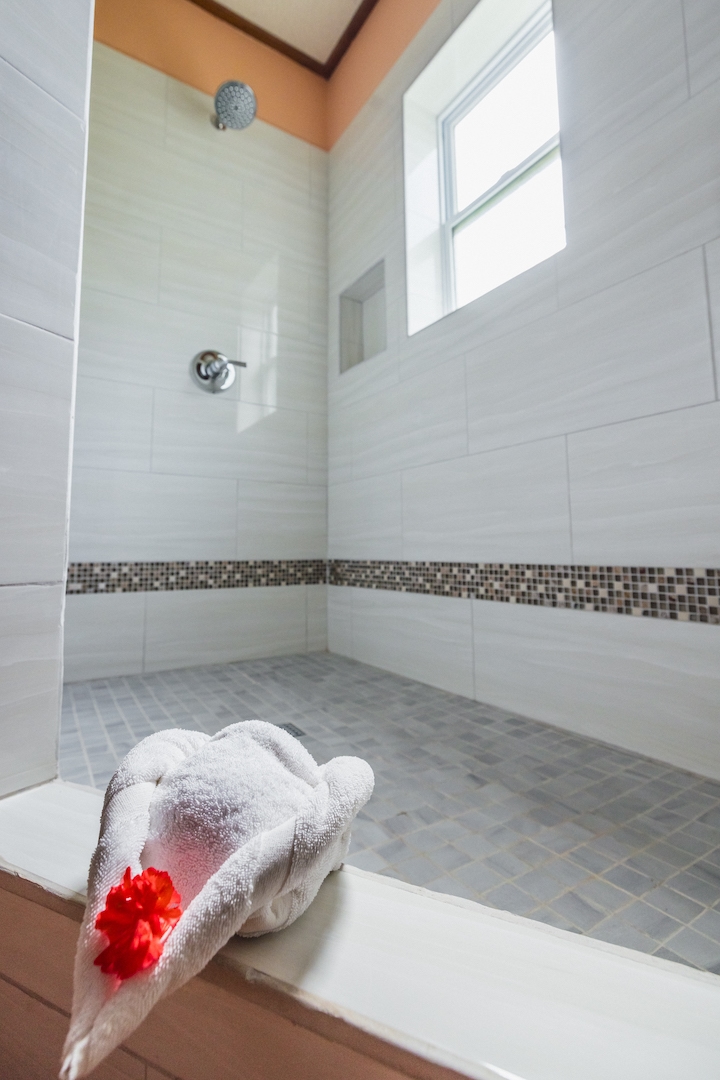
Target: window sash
{"type": "Point", "coordinates": [516, 50]}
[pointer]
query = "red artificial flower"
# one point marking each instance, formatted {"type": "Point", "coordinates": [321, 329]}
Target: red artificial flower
{"type": "Point", "coordinates": [139, 914]}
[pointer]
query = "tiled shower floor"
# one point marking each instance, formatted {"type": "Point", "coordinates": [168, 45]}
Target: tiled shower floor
{"type": "Point", "coordinates": [469, 799]}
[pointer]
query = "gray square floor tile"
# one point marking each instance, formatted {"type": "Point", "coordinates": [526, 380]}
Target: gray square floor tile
{"type": "Point", "coordinates": [418, 870]}
{"type": "Point", "coordinates": [698, 949]}
{"type": "Point", "coordinates": [478, 876]}
{"type": "Point", "coordinates": [499, 808]}
{"type": "Point", "coordinates": [577, 911]}
{"type": "Point", "coordinates": [672, 903]}
{"type": "Point", "coordinates": [617, 932]}
{"type": "Point", "coordinates": [509, 898]}
{"type": "Point", "coordinates": [708, 924]}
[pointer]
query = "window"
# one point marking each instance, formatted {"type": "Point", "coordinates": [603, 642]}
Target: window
{"type": "Point", "coordinates": [502, 179]}
{"type": "Point", "coordinates": [483, 118]}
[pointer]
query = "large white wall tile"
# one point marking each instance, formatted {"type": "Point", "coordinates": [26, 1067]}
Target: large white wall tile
{"type": "Point", "coordinates": [365, 518]}
{"type": "Point", "coordinates": [197, 434]}
{"type": "Point", "coordinates": [638, 348]}
{"type": "Point", "coordinates": [146, 344]}
{"type": "Point", "coordinates": [41, 178]}
{"type": "Point", "coordinates": [414, 422]}
{"type": "Point", "coordinates": [113, 425]}
{"type": "Point", "coordinates": [139, 112]}
{"type": "Point", "coordinates": [30, 676]}
{"type": "Point", "coordinates": [372, 376]}
{"type": "Point", "coordinates": [648, 491]}
{"type": "Point", "coordinates": [340, 638]}
{"type": "Point", "coordinates": [121, 252]}
{"type": "Point", "coordinates": [648, 685]}
{"type": "Point", "coordinates": [712, 263]}
{"type": "Point", "coordinates": [605, 98]}
{"type": "Point", "coordinates": [428, 638]}
{"type": "Point", "coordinates": [202, 276]}
{"type": "Point", "coordinates": [280, 371]}
{"type": "Point", "coordinates": [137, 175]}
{"type": "Point", "coordinates": [104, 635]}
{"type": "Point", "coordinates": [116, 515]}
{"type": "Point", "coordinates": [184, 629]}
{"type": "Point", "coordinates": [36, 370]}
{"type": "Point", "coordinates": [702, 29]}
{"type": "Point", "coordinates": [316, 600]}
{"type": "Point", "coordinates": [508, 505]}
{"type": "Point", "coordinates": [281, 521]}
{"type": "Point", "coordinates": [49, 45]}
{"type": "Point", "coordinates": [648, 200]}
{"type": "Point", "coordinates": [317, 444]}
{"type": "Point", "coordinates": [280, 216]}
{"type": "Point", "coordinates": [522, 300]}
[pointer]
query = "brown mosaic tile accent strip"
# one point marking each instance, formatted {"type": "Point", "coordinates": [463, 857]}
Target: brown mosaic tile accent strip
{"type": "Point", "coordinates": [682, 593]}
{"type": "Point", "coordinates": [107, 577]}
{"type": "Point", "coordinates": [688, 595]}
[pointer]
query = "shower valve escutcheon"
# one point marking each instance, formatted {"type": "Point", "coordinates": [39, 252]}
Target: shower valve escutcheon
{"type": "Point", "coordinates": [213, 371]}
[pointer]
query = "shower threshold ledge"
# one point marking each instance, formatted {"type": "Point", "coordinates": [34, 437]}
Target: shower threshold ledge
{"type": "Point", "coordinates": [377, 980]}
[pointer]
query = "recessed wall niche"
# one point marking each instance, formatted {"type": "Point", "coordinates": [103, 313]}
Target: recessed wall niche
{"type": "Point", "coordinates": [362, 318]}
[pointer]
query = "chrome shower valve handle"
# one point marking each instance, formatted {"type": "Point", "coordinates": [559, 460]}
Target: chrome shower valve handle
{"type": "Point", "coordinates": [213, 371]}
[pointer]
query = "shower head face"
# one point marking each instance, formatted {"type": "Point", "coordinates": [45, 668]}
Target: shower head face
{"type": "Point", "coordinates": [235, 106]}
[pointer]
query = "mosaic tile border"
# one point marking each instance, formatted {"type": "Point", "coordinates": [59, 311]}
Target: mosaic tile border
{"type": "Point", "coordinates": [687, 595]}
{"type": "Point", "coordinates": [123, 577]}
{"type": "Point", "coordinates": [681, 593]}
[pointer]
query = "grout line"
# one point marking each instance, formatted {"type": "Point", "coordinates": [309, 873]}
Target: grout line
{"type": "Point", "coordinates": [144, 636]}
{"type": "Point", "coordinates": [29, 584]}
{"type": "Point", "coordinates": [472, 646]}
{"type": "Point", "coordinates": [708, 298]}
{"type": "Point", "coordinates": [82, 120]}
{"type": "Point", "coordinates": [529, 442]}
{"type": "Point", "coordinates": [467, 405]}
{"type": "Point", "coordinates": [31, 994]}
{"type": "Point", "coordinates": [685, 49]}
{"type": "Point", "coordinates": [35, 326]}
{"type": "Point", "coordinates": [152, 432]}
{"type": "Point", "coordinates": [569, 501]}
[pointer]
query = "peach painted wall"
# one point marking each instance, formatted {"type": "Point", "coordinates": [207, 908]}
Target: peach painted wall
{"type": "Point", "coordinates": [388, 31]}
{"type": "Point", "coordinates": [186, 42]}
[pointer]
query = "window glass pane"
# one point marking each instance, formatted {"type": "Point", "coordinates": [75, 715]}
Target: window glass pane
{"type": "Point", "coordinates": [506, 126]}
{"type": "Point", "coordinates": [519, 231]}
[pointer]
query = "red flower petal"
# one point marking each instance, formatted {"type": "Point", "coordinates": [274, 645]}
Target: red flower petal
{"type": "Point", "coordinates": [139, 914]}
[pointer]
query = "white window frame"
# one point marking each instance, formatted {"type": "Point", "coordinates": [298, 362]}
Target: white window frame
{"type": "Point", "coordinates": [517, 48]}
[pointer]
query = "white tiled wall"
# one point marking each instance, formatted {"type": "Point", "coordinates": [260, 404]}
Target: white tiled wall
{"type": "Point", "coordinates": [44, 55]}
{"type": "Point", "coordinates": [196, 239]}
{"type": "Point", "coordinates": [571, 414]}
{"type": "Point", "coordinates": [648, 685]}
{"type": "Point", "coordinates": [132, 633]}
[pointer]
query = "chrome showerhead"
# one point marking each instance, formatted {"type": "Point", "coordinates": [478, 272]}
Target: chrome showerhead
{"type": "Point", "coordinates": [235, 106]}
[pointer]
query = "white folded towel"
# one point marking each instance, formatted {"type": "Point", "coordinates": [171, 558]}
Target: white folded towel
{"type": "Point", "coordinates": [246, 824]}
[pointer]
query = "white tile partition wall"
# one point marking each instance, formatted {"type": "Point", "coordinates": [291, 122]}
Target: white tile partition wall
{"type": "Point", "coordinates": [130, 633]}
{"type": "Point", "coordinates": [570, 415]}
{"type": "Point", "coordinates": [196, 239]}
{"type": "Point", "coordinates": [649, 685]}
{"type": "Point", "coordinates": [44, 53]}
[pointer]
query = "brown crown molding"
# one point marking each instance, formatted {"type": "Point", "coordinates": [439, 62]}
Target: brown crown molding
{"type": "Point", "coordinates": [324, 70]}
{"type": "Point", "coordinates": [351, 31]}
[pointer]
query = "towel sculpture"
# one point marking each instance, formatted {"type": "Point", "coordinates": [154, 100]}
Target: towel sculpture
{"type": "Point", "coordinates": [245, 824]}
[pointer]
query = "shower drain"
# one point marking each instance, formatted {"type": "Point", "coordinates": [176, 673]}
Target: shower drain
{"type": "Point", "coordinates": [296, 732]}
